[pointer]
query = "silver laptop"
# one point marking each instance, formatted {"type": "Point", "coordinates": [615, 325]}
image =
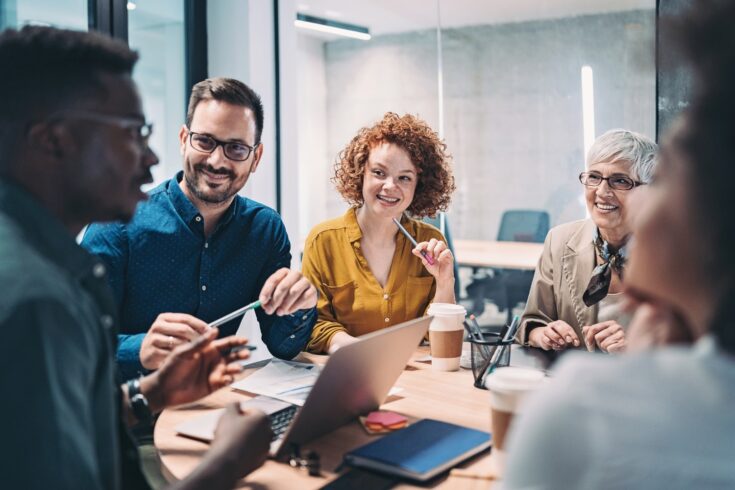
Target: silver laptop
{"type": "Point", "coordinates": [355, 380]}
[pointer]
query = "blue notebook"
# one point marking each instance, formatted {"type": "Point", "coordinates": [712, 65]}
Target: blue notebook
{"type": "Point", "coordinates": [420, 451]}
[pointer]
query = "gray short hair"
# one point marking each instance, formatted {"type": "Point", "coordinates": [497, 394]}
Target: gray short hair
{"type": "Point", "coordinates": [623, 145]}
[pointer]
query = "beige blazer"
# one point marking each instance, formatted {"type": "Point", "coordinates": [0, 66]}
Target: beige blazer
{"type": "Point", "coordinates": [562, 275]}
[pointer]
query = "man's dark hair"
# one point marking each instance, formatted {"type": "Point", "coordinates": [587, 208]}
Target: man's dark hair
{"type": "Point", "coordinates": [46, 69]}
{"type": "Point", "coordinates": [227, 90]}
{"type": "Point", "coordinates": [706, 35]}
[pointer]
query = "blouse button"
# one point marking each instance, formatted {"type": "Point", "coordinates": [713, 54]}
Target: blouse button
{"type": "Point", "coordinates": [198, 218]}
{"type": "Point", "coordinates": [385, 296]}
{"type": "Point", "coordinates": [387, 319]}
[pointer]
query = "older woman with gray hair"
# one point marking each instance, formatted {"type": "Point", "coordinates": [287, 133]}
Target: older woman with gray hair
{"type": "Point", "coordinates": [576, 290]}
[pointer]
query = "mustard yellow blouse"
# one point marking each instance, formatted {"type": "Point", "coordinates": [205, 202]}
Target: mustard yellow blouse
{"type": "Point", "coordinates": [350, 298]}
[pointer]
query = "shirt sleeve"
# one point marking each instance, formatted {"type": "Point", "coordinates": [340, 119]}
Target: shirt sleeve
{"type": "Point", "coordinates": [285, 336]}
{"type": "Point", "coordinates": [109, 242]}
{"type": "Point", "coordinates": [541, 305]}
{"type": "Point", "coordinates": [326, 324]}
{"type": "Point", "coordinates": [45, 376]}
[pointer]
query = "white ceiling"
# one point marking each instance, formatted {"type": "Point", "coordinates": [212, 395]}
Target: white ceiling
{"type": "Point", "coordinates": [389, 16]}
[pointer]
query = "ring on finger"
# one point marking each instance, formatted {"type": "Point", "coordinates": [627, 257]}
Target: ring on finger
{"type": "Point", "coordinates": [170, 342]}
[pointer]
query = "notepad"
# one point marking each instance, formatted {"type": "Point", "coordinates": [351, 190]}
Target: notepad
{"type": "Point", "coordinates": [422, 451]}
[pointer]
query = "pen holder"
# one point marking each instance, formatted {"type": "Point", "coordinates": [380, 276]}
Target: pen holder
{"type": "Point", "coordinates": [482, 351]}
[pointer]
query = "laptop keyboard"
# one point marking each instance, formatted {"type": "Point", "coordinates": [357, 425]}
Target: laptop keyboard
{"type": "Point", "coordinates": [281, 420]}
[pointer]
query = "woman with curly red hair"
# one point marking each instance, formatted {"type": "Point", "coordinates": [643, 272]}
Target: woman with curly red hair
{"type": "Point", "coordinates": [369, 276]}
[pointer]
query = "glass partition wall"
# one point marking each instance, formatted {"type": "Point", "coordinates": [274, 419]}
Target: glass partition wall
{"type": "Point", "coordinates": [518, 90]}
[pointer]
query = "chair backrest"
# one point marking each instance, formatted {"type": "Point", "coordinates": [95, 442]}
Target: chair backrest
{"type": "Point", "coordinates": [440, 221]}
{"type": "Point", "coordinates": [524, 225]}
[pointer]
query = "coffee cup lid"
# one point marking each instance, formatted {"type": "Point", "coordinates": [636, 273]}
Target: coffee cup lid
{"type": "Point", "coordinates": [446, 309]}
{"type": "Point", "coordinates": [514, 379]}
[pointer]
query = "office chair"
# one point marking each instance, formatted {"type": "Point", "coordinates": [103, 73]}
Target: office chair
{"type": "Point", "coordinates": [523, 225]}
{"type": "Point", "coordinates": [508, 287]}
{"type": "Point", "coordinates": [440, 221]}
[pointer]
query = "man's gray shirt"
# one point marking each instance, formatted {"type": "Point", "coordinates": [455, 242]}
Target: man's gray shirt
{"type": "Point", "coordinates": [60, 403]}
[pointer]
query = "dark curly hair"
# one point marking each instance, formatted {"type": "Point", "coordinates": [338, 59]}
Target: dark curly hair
{"type": "Point", "coordinates": [705, 35]}
{"type": "Point", "coordinates": [427, 152]}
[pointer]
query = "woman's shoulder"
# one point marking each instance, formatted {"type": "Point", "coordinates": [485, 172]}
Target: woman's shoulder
{"type": "Point", "coordinates": [425, 232]}
{"type": "Point", "coordinates": [327, 229]}
{"type": "Point", "coordinates": [578, 231]}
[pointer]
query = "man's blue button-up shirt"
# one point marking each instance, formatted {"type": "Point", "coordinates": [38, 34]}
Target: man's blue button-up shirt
{"type": "Point", "coordinates": [161, 261]}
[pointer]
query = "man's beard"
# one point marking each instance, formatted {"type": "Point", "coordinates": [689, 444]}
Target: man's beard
{"type": "Point", "coordinates": [212, 196]}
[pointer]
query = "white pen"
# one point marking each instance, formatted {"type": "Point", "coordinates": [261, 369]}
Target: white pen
{"type": "Point", "coordinates": [234, 314]}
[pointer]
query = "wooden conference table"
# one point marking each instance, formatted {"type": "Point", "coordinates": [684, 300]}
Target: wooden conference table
{"type": "Point", "coordinates": [499, 255]}
{"type": "Point", "coordinates": [447, 396]}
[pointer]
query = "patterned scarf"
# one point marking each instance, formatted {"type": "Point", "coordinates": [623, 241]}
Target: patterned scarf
{"type": "Point", "coordinates": [601, 276]}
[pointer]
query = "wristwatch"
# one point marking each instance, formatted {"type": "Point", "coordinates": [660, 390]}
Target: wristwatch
{"type": "Point", "coordinates": [138, 402]}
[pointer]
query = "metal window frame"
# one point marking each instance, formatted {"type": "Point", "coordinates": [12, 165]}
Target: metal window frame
{"type": "Point", "coordinates": [111, 17]}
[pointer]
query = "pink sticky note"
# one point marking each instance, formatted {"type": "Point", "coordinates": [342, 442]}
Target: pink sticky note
{"type": "Point", "coordinates": [385, 418]}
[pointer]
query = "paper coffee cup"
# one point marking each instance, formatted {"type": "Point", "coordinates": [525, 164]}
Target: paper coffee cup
{"type": "Point", "coordinates": [508, 387]}
{"type": "Point", "coordinates": [445, 335]}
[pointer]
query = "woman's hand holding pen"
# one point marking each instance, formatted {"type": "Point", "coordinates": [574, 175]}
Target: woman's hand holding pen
{"type": "Point", "coordinates": [443, 267]}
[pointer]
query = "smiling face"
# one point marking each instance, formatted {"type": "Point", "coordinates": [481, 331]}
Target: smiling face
{"type": "Point", "coordinates": [607, 207]}
{"type": "Point", "coordinates": [212, 177]}
{"type": "Point", "coordinates": [390, 181]}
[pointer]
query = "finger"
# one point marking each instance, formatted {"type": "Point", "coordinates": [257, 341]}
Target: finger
{"type": "Point", "coordinates": [178, 330]}
{"type": "Point", "coordinates": [185, 319]}
{"type": "Point", "coordinates": [612, 339]}
{"type": "Point", "coordinates": [197, 345]}
{"type": "Point", "coordinates": [561, 333]}
{"type": "Point", "coordinates": [233, 368]}
{"type": "Point", "coordinates": [266, 292]}
{"type": "Point", "coordinates": [281, 291]}
{"type": "Point", "coordinates": [439, 248]}
{"type": "Point", "coordinates": [446, 256]}
{"type": "Point", "coordinates": [553, 335]}
{"type": "Point", "coordinates": [603, 334]}
{"type": "Point", "coordinates": [589, 341]}
{"type": "Point", "coordinates": [166, 342]}
{"type": "Point", "coordinates": [547, 343]}
{"type": "Point", "coordinates": [617, 347]}
{"type": "Point", "coordinates": [419, 247]}
{"type": "Point", "coordinates": [432, 246]}
{"type": "Point", "coordinates": [294, 296]}
{"type": "Point", "coordinates": [307, 300]}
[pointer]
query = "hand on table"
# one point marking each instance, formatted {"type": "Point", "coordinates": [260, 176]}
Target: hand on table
{"type": "Point", "coordinates": [286, 291]}
{"type": "Point", "coordinates": [168, 332]}
{"type": "Point", "coordinates": [557, 335]}
{"type": "Point", "coordinates": [443, 267]}
{"type": "Point", "coordinates": [608, 336]}
{"type": "Point", "coordinates": [194, 370]}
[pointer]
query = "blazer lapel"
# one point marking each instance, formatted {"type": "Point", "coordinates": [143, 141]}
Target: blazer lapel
{"type": "Point", "coordinates": [577, 265]}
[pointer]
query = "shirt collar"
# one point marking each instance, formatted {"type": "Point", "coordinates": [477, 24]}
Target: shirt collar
{"type": "Point", "coordinates": [43, 231]}
{"type": "Point", "coordinates": [186, 208]}
{"type": "Point", "coordinates": [354, 233]}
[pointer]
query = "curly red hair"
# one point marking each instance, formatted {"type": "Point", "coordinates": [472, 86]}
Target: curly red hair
{"type": "Point", "coordinates": [427, 152]}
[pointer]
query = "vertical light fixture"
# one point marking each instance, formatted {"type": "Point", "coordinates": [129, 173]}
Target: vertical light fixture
{"type": "Point", "coordinates": [588, 108]}
{"type": "Point", "coordinates": [440, 94]}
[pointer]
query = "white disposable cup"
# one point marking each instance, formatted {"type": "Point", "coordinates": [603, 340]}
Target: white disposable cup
{"type": "Point", "coordinates": [508, 387]}
{"type": "Point", "coordinates": [448, 332]}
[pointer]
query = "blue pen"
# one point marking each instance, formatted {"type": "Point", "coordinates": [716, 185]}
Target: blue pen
{"type": "Point", "coordinates": [423, 253]}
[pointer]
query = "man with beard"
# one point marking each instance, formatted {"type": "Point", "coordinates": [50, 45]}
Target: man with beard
{"type": "Point", "coordinates": [196, 251]}
{"type": "Point", "coordinates": [74, 149]}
